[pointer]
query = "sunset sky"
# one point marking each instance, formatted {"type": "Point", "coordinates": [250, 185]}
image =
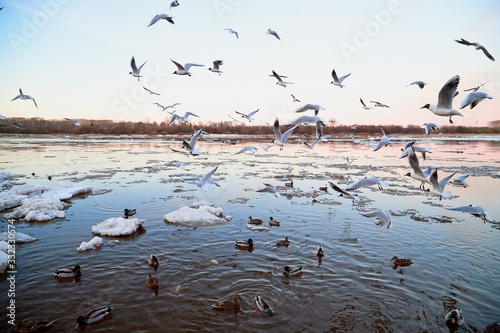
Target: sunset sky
{"type": "Point", "coordinates": [73, 57]}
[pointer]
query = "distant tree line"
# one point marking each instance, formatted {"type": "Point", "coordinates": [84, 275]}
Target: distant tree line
{"type": "Point", "coordinates": [56, 126]}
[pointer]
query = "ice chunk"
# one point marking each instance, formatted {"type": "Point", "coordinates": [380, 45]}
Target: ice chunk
{"type": "Point", "coordinates": [94, 243]}
{"type": "Point", "coordinates": [7, 175]}
{"type": "Point", "coordinates": [38, 209]}
{"type": "Point", "coordinates": [19, 237]}
{"type": "Point", "coordinates": [4, 260]}
{"type": "Point", "coordinates": [199, 214]}
{"type": "Point", "coordinates": [117, 226]}
{"type": "Point", "coordinates": [15, 196]}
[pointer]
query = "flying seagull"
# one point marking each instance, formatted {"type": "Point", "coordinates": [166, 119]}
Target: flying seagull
{"type": "Point", "coordinates": [444, 108]}
{"type": "Point", "coordinates": [248, 148]}
{"type": "Point", "coordinates": [231, 31]}
{"type": "Point", "coordinates": [150, 91]}
{"type": "Point", "coordinates": [381, 218]}
{"type": "Point", "coordinates": [315, 107]}
{"type": "Point", "coordinates": [136, 71]}
{"type": "Point", "coordinates": [76, 123]}
{"type": "Point", "coordinates": [184, 70]}
{"type": "Point", "coordinates": [379, 105]}
{"type": "Point", "coordinates": [205, 182]}
{"type": "Point", "coordinates": [410, 145]}
{"type": "Point", "coordinates": [365, 182]}
{"type": "Point", "coordinates": [183, 118]}
{"type": "Point", "coordinates": [430, 127]}
{"type": "Point", "coordinates": [190, 146]}
{"type": "Point", "coordinates": [417, 173]}
{"type": "Point", "coordinates": [281, 139]}
{"type": "Point", "coordinates": [215, 67]}
{"type": "Point", "coordinates": [272, 33]}
{"type": "Point", "coordinates": [161, 17]}
{"type": "Point", "coordinates": [474, 210]}
{"type": "Point", "coordinates": [280, 81]}
{"type": "Point", "coordinates": [421, 84]}
{"type": "Point", "coordinates": [336, 81]}
{"type": "Point", "coordinates": [174, 3]}
{"type": "Point", "coordinates": [305, 120]}
{"type": "Point", "coordinates": [294, 99]}
{"type": "Point", "coordinates": [10, 121]}
{"type": "Point", "coordinates": [364, 105]}
{"type": "Point", "coordinates": [477, 87]}
{"type": "Point", "coordinates": [343, 193]}
{"type": "Point", "coordinates": [473, 99]}
{"type": "Point", "coordinates": [460, 180]}
{"type": "Point", "coordinates": [438, 186]}
{"type": "Point", "coordinates": [478, 47]}
{"type": "Point", "coordinates": [24, 97]}
{"type": "Point", "coordinates": [270, 189]}
{"type": "Point", "coordinates": [248, 116]}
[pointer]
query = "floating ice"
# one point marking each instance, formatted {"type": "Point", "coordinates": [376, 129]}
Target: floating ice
{"type": "Point", "coordinates": [199, 214]}
{"type": "Point", "coordinates": [117, 226]}
{"type": "Point", "coordinates": [94, 243]}
{"type": "Point", "coordinates": [4, 258]}
{"type": "Point", "coordinates": [257, 227]}
{"type": "Point", "coordinates": [18, 193]}
{"type": "Point", "coordinates": [7, 175]}
{"type": "Point", "coordinates": [39, 209]}
{"type": "Point", "coordinates": [19, 237]}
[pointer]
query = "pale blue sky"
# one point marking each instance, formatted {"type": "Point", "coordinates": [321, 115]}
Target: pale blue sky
{"type": "Point", "coordinates": [73, 57]}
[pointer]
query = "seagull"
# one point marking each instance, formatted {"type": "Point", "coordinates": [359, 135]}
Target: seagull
{"type": "Point", "coordinates": [343, 193]}
{"type": "Point", "coordinates": [379, 105]}
{"type": "Point", "coordinates": [476, 88]}
{"type": "Point", "coordinates": [417, 173]}
{"type": "Point", "coordinates": [315, 107]}
{"type": "Point", "coordinates": [350, 162]}
{"type": "Point", "coordinates": [460, 180]}
{"type": "Point", "coordinates": [478, 47]}
{"type": "Point", "coordinates": [235, 120]}
{"type": "Point", "coordinates": [150, 91]}
{"type": "Point", "coordinates": [183, 118]}
{"type": "Point", "coordinates": [421, 84]}
{"type": "Point", "coordinates": [429, 127]}
{"type": "Point", "coordinates": [319, 133]}
{"type": "Point", "coordinates": [354, 127]}
{"type": "Point", "coordinates": [364, 105]}
{"type": "Point", "coordinates": [305, 120]}
{"type": "Point", "coordinates": [190, 146]}
{"type": "Point", "coordinates": [161, 17]}
{"type": "Point", "coordinates": [438, 187]}
{"type": "Point", "coordinates": [365, 182]}
{"type": "Point", "coordinates": [410, 145]}
{"type": "Point", "coordinates": [473, 99]}
{"type": "Point", "coordinates": [10, 121]}
{"type": "Point", "coordinates": [336, 81]}
{"type": "Point", "coordinates": [271, 189]}
{"type": "Point", "coordinates": [280, 81]}
{"type": "Point", "coordinates": [205, 182]}
{"type": "Point", "coordinates": [215, 68]}
{"type": "Point", "coordinates": [76, 123]}
{"type": "Point", "coordinates": [24, 97]}
{"type": "Point", "coordinates": [184, 70]}
{"type": "Point", "coordinates": [161, 106]}
{"type": "Point", "coordinates": [281, 139]}
{"type": "Point", "coordinates": [273, 33]}
{"type": "Point", "coordinates": [381, 218]}
{"type": "Point", "coordinates": [174, 3]}
{"type": "Point", "coordinates": [231, 31]}
{"type": "Point", "coordinates": [171, 106]}
{"type": "Point", "coordinates": [136, 71]}
{"type": "Point", "coordinates": [248, 148]}
{"type": "Point", "coordinates": [474, 210]}
{"type": "Point", "coordinates": [444, 107]}
{"type": "Point", "coordinates": [248, 116]}
{"type": "Point", "coordinates": [294, 99]}
{"type": "Point", "coordinates": [385, 140]}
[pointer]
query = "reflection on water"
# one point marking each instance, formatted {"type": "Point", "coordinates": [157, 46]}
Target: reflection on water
{"type": "Point", "coordinates": [353, 288]}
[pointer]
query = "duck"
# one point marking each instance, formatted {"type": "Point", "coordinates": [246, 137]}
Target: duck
{"type": "Point", "coordinates": [93, 316]}
{"type": "Point", "coordinates": [319, 251]}
{"type": "Point", "coordinates": [324, 189]}
{"type": "Point", "coordinates": [129, 212]}
{"type": "Point", "coordinates": [152, 282]}
{"type": "Point", "coordinates": [244, 243]}
{"type": "Point", "coordinates": [254, 221]}
{"type": "Point", "coordinates": [68, 272]}
{"type": "Point", "coordinates": [285, 242]}
{"type": "Point", "coordinates": [228, 305]}
{"type": "Point", "coordinates": [290, 184]}
{"type": "Point", "coordinates": [290, 271]}
{"type": "Point", "coordinates": [273, 222]}
{"type": "Point", "coordinates": [454, 318]}
{"type": "Point", "coordinates": [34, 325]}
{"type": "Point", "coordinates": [262, 305]}
{"type": "Point", "coordinates": [49, 177]}
{"type": "Point", "coordinates": [153, 260]}
{"type": "Point", "coordinates": [33, 174]}
{"type": "Point", "coordinates": [401, 262]}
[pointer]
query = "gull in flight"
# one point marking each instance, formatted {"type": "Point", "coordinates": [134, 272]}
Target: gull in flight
{"type": "Point", "coordinates": [473, 99]}
{"type": "Point", "coordinates": [421, 84]}
{"type": "Point", "coordinates": [364, 105]}
{"type": "Point", "coordinates": [438, 186]}
{"type": "Point", "coordinates": [319, 135]}
{"type": "Point", "coordinates": [10, 121]}
{"type": "Point", "coordinates": [385, 140]}
{"type": "Point", "coordinates": [444, 108]}
{"type": "Point", "coordinates": [248, 148]}
{"type": "Point", "coordinates": [150, 91]}
{"type": "Point", "coordinates": [381, 218]}
{"type": "Point", "coordinates": [204, 183]}
{"type": "Point", "coordinates": [167, 107]}
{"type": "Point", "coordinates": [174, 3]}
{"type": "Point", "coordinates": [272, 33]}
{"type": "Point", "coordinates": [184, 70]}
{"type": "Point", "coordinates": [410, 146]}
{"type": "Point", "coordinates": [280, 81]}
{"type": "Point", "coordinates": [281, 139]}
{"type": "Point", "coordinates": [24, 97]}
{"type": "Point", "coordinates": [477, 87]}
{"type": "Point", "coordinates": [365, 182]}
{"type": "Point", "coordinates": [343, 193]}
{"type": "Point", "coordinates": [136, 71]}
{"type": "Point", "coordinates": [430, 127]}
{"type": "Point", "coordinates": [474, 210]}
{"type": "Point", "coordinates": [231, 31]}
{"type": "Point", "coordinates": [161, 17]}
{"type": "Point", "coordinates": [183, 118]}
{"type": "Point", "coordinates": [478, 47]}
{"type": "Point", "coordinates": [417, 173]}
{"type": "Point", "coordinates": [315, 107]}
{"type": "Point", "coordinates": [215, 67]}
{"type": "Point", "coordinates": [295, 99]}
{"type": "Point", "coordinates": [379, 105]}
{"type": "Point", "coordinates": [248, 116]}
{"type": "Point", "coordinates": [76, 123]}
{"type": "Point", "coordinates": [271, 189]}
{"type": "Point", "coordinates": [235, 120]}
{"type": "Point", "coordinates": [336, 81]}
{"type": "Point", "coordinates": [190, 146]}
{"type": "Point", "coordinates": [460, 180]}
{"type": "Point", "coordinates": [350, 162]}
{"type": "Point", "coordinates": [305, 120]}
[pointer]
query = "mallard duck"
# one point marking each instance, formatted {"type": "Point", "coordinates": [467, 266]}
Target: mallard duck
{"type": "Point", "coordinates": [228, 305]}
{"type": "Point", "coordinates": [262, 305]}
{"type": "Point", "coordinates": [324, 189]}
{"type": "Point", "coordinates": [34, 325]}
{"type": "Point", "coordinates": [290, 271]}
{"type": "Point", "coordinates": [93, 316]}
{"type": "Point", "coordinates": [319, 251]}
{"type": "Point", "coordinates": [64, 273]}
{"type": "Point", "coordinates": [401, 262]}
{"type": "Point", "coordinates": [129, 212]}
{"type": "Point", "coordinates": [273, 222]}
{"type": "Point", "coordinates": [152, 282]}
{"type": "Point", "coordinates": [153, 260]}
{"type": "Point", "coordinates": [492, 328]}
{"type": "Point", "coordinates": [285, 242]}
{"type": "Point", "coordinates": [454, 318]}
{"type": "Point", "coordinates": [254, 221]}
{"type": "Point", "coordinates": [244, 243]}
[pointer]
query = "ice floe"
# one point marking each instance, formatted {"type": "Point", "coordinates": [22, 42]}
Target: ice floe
{"type": "Point", "coordinates": [198, 214]}
{"type": "Point", "coordinates": [19, 237]}
{"type": "Point", "coordinates": [7, 175]}
{"type": "Point", "coordinates": [4, 258]}
{"type": "Point", "coordinates": [94, 243]}
{"type": "Point", "coordinates": [117, 226]}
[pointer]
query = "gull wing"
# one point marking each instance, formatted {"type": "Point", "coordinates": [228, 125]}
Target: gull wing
{"type": "Point", "coordinates": [319, 130]}
{"type": "Point", "coordinates": [377, 214]}
{"type": "Point", "coordinates": [173, 118]}
{"type": "Point", "coordinates": [277, 77]}
{"type": "Point", "coordinates": [156, 19]}
{"type": "Point", "coordinates": [205, 178]}
{"type": "Point", "coordinates": [179, 66]}
{"type": "Point", "coordinates": [362, 102]}
{"type": "Point", "coordinates": [187, 114]}
{"type": "Point", "coordinates": [70, 120]}
{"type": "Point", "coordinates": [486, 53]}
{"type": "Point", "coordinates": [189, 65]}
{"type": "Point", "coordinates": [234, 119]}
{"type": "Point", "coordinates": [285, 135]}
{"type": "Point", "coordinates": [335, 77]}
{"type": "Point", "coordinates": [465, 42]}
{"type": "Point", "coordinates": [382, 143]}
{"type": "Point", "coordinates": [343, 77]}
{"type": "Point", "coordinates": [134, 67]}
{"type": "Point", "coordinates": [34, 102]}
{"type": "Point", "coordinates": [277, 131]}
{"type": "Point", "coordinates": [445, 180]}
{"type": "Point", "coordinates": [253, 112]}
{"type": "Point", "coordinates": [195, 137]}
{"type": "Point", "coordinates": [338, 189]}
{"type": "Point", "coordinates": [16, 97]}
{"type": "Point", "coordinates": [446, 94]}
{"type": "Point", "coordinates": [305, 120]}
{"type": "Point", "coordinates": [2, 117]}
{"type": "Point", "coordinates": [241, 114]}
{"type": "Point", "coordinates": [414, 164]}
{"type": "Point", "coordinates": [463, 177]}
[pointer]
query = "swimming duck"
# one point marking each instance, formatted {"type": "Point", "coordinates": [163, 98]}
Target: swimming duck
{"type": "Point", "coordinates": [34, 325]}
{"type": "Point", "coordinates": [153, 260]}
{"type": "Point", "coordinates": [319, 251]}
{"type": "Point", "coordinates": [290, 271]}
{"type": "Point", "coordinates": [285, 242]}
{"type": "Point", "coordinates": [262, 305]}
{"type": "Point", "coordinates": [129, 212]}
{"type": "Point", "coordinates": [273, 222]}
{"type": "Point", "coordinates": [152, 282]}
{"type": "Point", "coordinates": [401, 262]}
{"type": "Point", "coordinates": [49, 177]}
{"type": "Point", "coordinates": [454, 318]}
{"type": "Point", "coordinates": [244, 243]}
{"type": "Point", "coordinates": [228, 305]}
{"type": "Point", "coordinates": [93, 316]}
{"type": "Point", "coordinates": [254, 221]}
{"type": "Point", "coordinates": [324, 189]}
{"type": "Point", "coordinates": [64, 273]}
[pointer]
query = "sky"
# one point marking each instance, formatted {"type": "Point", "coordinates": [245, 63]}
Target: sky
{"type": "Point", "coordinates": [74, 57]}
